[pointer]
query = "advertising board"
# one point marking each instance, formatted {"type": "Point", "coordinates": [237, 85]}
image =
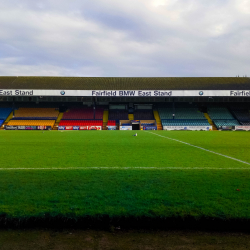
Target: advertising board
{"type": "Point", "coordinates": [125, 127]}
{"type": "Point", "coordinates": [11, 127]}
{"type": "Point", "coordinates": [68, 127]}
{"type": "Point", "coordinates": [149, 128]}
{"type": "Point", "coordinates": [246, 128]}
{"type": "Point", "coordinates": [21, 127]}
{"type": "Point", "coordinates": [226, 127]}
{"type": "Point", "coordinates": [83, 127]}
{"type": "Point", "coordinates": [94, 127]}
{"type": "Point", "coordinates": [76, 127]}
{"type": "Point", "coordinates": [205, 128]}
{"type": "Point", "coordinates": [111, 127]}
{"type": "Point", "coordinates": [30, 127]}
{"type": "Point", "coordinates": [41, 127]}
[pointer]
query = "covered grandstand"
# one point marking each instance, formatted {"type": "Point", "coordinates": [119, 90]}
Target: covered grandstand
{"type": "Point", "coordinates": [101, 103]}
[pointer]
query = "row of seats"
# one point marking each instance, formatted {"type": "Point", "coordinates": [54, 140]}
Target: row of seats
{"type": "Point", "coordinates": [81, 123]}
{"type": "Point", "coordinates": [36, 112]}
{"type": "Point", "coordinates": [1, 122]}
{"type": "Point", "coordinates": [180, 113]}
{"type": "Point", "coordinates": [118, 114]}
{"type": "Point", "coordinates": [242, 114]}
{"type": "Point", "coordinates": [31, 123]}
{"type": "Point", "coordinates": [219, 123]}
{"type": "Point", "coordinates": [111, 123]}
{"type": "Point", "coordinates": [245, 123]}
{"type": "Point", "coordinates": [143, 115]}
{"type": "Point", "coordinates": [83, 113]}
{"type": "Point", "coordinates": [185, 122]}
{"type": "Point", "coordinates": [219, 113]}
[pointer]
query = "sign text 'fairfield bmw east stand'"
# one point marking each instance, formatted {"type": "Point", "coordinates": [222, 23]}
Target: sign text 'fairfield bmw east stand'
{"type": "Point", "coordinates": [125, 93]}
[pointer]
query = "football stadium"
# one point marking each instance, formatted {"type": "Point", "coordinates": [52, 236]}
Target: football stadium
{"type": "Point", "coordinates": [125, 151]}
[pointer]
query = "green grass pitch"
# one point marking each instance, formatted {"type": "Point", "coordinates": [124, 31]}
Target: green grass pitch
{"type": "Point", "coordinates": [95, 173]}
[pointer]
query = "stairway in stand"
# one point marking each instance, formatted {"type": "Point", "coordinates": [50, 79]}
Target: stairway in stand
{"type": "Point", "coordinates": [105, 119]}
{"type": "Point", "coordinates": [58, 121]}
{"type": "Point", "coordinates": [210, 121]}
{"type": "Point", "coordinates": [158, 120]}
{"type": "Point", "coordinates": [131, 117]}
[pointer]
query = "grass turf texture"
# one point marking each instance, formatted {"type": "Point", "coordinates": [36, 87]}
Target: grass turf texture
{"type": "Point", "coordinates": [121, 190]}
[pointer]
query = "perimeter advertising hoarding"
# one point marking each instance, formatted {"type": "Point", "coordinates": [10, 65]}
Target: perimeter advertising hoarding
{"type": "Point", "coordinates": [79, 127]}
{"type": "Point", "coordinates": [11, 127]}
{"type": "Point", "coordinates": [83, 127]}
{"type": "Point", "coordinates": [21, 127]}
{"type": "Point", "coordinates": [30, 127]}
{"type": "Point", "coordinates": [125, 127]}
{"type": "Point", "coordinates": [94, 127]}
{"type": "Point", "coordinates": [206, 128]}
{"type": "Point", "coordinates": [42, 127]}
{"type": "Point", "coordinates": [125, 93]}
{"type": "Point", "coordinates": [246, 128]}
{"type": "Point", "coordinates": [149, 128]}
{"type": "Point", "coordinates": [111, 127]}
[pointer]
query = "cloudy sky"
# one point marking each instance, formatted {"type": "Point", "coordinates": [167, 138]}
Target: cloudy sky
{"type": "Point", "coordinates": [125, 38]}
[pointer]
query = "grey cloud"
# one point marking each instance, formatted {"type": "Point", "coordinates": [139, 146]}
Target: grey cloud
{"type": "Point", "coordinates": [125, 38]}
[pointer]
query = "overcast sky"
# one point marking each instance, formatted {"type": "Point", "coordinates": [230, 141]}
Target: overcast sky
{"type": "Point", "coordinates": [152, 38]}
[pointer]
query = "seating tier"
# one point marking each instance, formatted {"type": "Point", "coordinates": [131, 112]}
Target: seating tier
{"type": "Point", "coordinates": [185, 122]}
{"type": "Point", "coordinates": [143, 115]}
{"type": "Point", "coordinates": [39, 113]}
{"type": "Point", "coordinates": [81, 123]}
{"type": "Point", "coordinates": [118, 114]}
{"type": "Point", "coordinates": [31, 123]}
{"type": "Point", "coordinates": [180, 113]}
{"type": "Point", "coordinates": [111, 123]}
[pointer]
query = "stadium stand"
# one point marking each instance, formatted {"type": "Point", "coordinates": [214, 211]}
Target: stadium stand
{"type": "Point", "coordinates": [183, 116]}
{"type": "Point", "coordinates": [84, 116]}
{"type": "Point", "coordinates": [219, 113]}
{"type": "Point", "coordinates": [221, 116]}
{"type": "Point", "coordinates": [1, 122]}
{"type": "Point", "coordinates": [34, 117]}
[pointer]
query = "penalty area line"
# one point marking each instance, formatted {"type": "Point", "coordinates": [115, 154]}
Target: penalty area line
{"type": "Point", "coordinates": [207, 150]}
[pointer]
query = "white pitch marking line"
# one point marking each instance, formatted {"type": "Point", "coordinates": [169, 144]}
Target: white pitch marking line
{"type": "Point", "coordinates": [226, 156]}
{"type": "Point", "coordinates": [124, 168]}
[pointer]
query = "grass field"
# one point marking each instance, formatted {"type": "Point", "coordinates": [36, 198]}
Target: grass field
{"type": "Point", "coordinates": [78, 174]}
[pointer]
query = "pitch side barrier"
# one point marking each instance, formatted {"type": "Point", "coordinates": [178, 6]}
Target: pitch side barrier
{"type": "Point", "coordinates": [203, 128]}
{"type": "Point", "coordinates": [79, 127]}
{"type": "Point", "coordinates": [242, 128]}
{"type": "Point", "coordinates": [27, 127]}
